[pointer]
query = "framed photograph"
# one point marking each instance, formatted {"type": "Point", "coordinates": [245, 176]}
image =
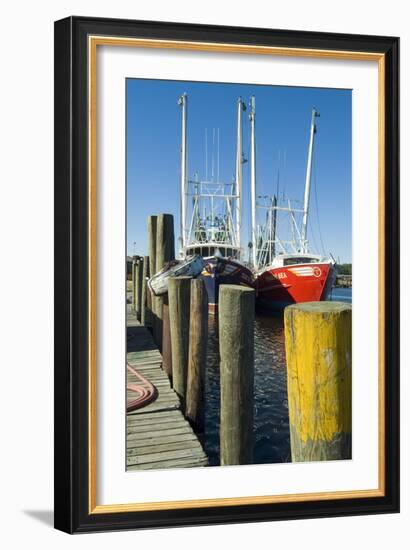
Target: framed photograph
{"type": "Point", "coordinates": [226, 274]}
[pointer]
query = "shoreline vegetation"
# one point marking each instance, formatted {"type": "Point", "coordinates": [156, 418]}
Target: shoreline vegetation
{"type": "Point", "coordinates": [343, 276]}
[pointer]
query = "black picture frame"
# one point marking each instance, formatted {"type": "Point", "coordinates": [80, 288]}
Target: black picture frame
{"type": "Point", "coordinates": [72, 511]}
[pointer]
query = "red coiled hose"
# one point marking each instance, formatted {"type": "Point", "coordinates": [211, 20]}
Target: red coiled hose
{"type": "Point", "coordinates": [145, 394]}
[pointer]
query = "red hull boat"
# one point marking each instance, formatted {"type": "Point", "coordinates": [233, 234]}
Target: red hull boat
{"type": "Point", "coordinates": [310, 280]}
{"type": "Point", "coordinates": [286, 272]}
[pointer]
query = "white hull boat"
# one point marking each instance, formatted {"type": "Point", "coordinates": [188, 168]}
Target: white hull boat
{"type": "Point", "coordinates": [191, 266]}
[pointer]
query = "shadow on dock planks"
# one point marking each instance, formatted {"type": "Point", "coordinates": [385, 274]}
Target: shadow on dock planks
{"type": "Point", "coordinates": [158, 435]}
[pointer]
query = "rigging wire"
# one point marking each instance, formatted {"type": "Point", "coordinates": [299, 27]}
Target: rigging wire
{"type": "Point", "coordinates": [310, 224]}
{"type": "Point", "coordinates": [284, 172]}
{"type": "Point", "coordinates": [317, 207]}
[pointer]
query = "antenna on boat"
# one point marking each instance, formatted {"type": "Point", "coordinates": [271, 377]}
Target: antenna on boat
{"type": "Point", "coordinates": [239, 162]}
{"type": "Point", "coordinates": [183, 102]}
{"type": "Point", "coordinates": [253, 182]}
{"type": "Point", "coordinates": [304, 241]}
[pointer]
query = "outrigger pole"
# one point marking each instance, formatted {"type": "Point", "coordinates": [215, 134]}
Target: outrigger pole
{"type": "Point", "coordinates": [183, 102]}
{"type": "Point", "coordinates": [253, 182]}
{"type": "Point", "coordinates": [304, 242]}
{"type": "Point", "coordinates": [239, 162]}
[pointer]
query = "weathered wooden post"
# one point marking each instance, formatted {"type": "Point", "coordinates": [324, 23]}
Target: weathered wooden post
{"type": "Point", "coordinates": [138, 287]}
{"type": "Point", "coordinates": [152, 243]}
{"type": "Point", "coordinates": [198, 340]}
{"type": "Point", "coordinates": [318, 341]}
{"type": "Point", "coordinates": [165, 249]}
{"type": "Point", "coordinates": [133, 266]}
{"type": "Point", "coordinates": [144, 290]}
{"type": "Point", "coordinates": [165, 252]}
{"type": "Point", "coordinates": [148, 311]}
{"type": "Point", "coordinates": [135, 263]}
{"type": "Point", "coordinates": [166, 339]}
{"type": "Point", "coordinates": [236, 346]}
{"type": "Point", "coordinates": [179, 290]}
{"type": "Point", "coordinates": [152, 252]}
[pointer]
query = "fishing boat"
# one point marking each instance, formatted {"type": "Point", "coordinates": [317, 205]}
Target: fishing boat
{"type": "Point", "coordinates": [211, 214]}
{"type": "Point", "coordinates": [286, 271]}
{"type": "Point", "coordinates": [190, 266]}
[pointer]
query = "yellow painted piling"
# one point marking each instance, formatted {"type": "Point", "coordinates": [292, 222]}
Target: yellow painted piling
{"type": "Point", "coordinates": [318, 341]}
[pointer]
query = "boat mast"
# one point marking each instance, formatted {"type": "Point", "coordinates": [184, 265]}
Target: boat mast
{"type": "Point", "coordinates": [239, 162]}
{"type": "Point", "coordinates": [304, 242]}
{"type": "Point", "coordinates": [183, 102]}
{"type": "Point", "coordinates": [274, 223]}
{"type": "Point", "coordinates": [253, 183]}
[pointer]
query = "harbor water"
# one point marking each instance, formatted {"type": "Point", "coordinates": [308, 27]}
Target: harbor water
{"type": "Point", "coordinates": [271, 421]}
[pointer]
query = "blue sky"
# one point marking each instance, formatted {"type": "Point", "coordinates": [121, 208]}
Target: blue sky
{"type": "Point", "coordinates": [283, 117]}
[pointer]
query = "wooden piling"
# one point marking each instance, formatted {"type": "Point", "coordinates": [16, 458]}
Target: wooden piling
{"type": "Point", "coordinates": [166, 339]}
{"type": "Point", "coordinates": [138, 287]}
{"type": "Point", "coordinates": [179, 290]}
{"type": "Point", "coordinates": [165, 246]}
{"type": "Point", "coordinates": [198, 340]}
{"type": "Point", "coordinates": [144, 290]}
{"type": "Point", "coordinates": [318, 341]}
{"type": "Point", "coordinates": [157, 320]}
{"type": "Point", "coordinates": [148, 298]}
{"type": "Point", "coordinates": [152, 252]}
{"type": "Point", "coordinates": [134, 283]}
{"type": "Point", "coordinates": [236, 346]}
{"type": "Point", "coordinates": [165, 252]}
{"type": "Point", "coordinates": [152, 243]}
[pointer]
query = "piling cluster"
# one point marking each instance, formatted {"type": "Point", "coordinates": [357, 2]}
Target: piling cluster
{"type": "Point", "coordinates": [318, 357]}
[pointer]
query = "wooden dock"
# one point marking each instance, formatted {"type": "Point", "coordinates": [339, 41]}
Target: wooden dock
{"type": "Point", "coordinates": [158, 435]}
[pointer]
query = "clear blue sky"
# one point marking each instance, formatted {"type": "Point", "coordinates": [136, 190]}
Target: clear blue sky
{"type": "Point", "coordinates": [283, 117]}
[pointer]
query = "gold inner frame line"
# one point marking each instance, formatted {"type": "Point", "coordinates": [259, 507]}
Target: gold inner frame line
{"type": "Point", "coordinates": [93, 42]}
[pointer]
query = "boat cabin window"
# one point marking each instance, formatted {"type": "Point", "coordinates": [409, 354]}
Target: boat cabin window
{"type": "Point", "coordinates": [299, 260]}
{"type": "Point", "coordinates": [207, 251]}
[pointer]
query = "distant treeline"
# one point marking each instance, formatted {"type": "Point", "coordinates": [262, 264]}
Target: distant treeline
{"type": "Point", "coordinates": [344, 269]}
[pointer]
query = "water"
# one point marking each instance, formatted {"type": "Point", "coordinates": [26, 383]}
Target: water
{"type": "Point", "coordinates": [271, 420]}
{"type": "Point", "coordinates": [271, 425]}
{"type": "Point", "coordinates": [342, 295]}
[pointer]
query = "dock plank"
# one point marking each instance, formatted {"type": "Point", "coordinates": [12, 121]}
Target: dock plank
{"type": "Point", "coordinates": [160, 440]}
{"type": "Point", "coordinates": [159, 447]}
{"type": "Point", "coordinates": [158, 435]}
{"type": "Point", "coordinates": [167, 464]}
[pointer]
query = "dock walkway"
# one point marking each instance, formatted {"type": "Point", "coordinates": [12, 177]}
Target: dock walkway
{"type": "Point", "coordinates": [158, 435]}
